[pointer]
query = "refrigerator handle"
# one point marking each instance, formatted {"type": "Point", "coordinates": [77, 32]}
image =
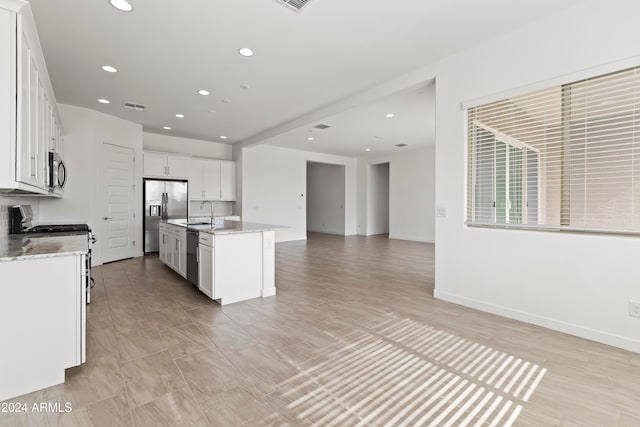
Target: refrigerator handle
{"type": "Point", "coordinates": [165, 202]}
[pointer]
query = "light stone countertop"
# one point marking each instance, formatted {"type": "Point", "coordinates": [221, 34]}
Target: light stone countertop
{"type": "Point", "coordinates": [229, 227]}
{"type": "Point", "coordinates": [24, 246]}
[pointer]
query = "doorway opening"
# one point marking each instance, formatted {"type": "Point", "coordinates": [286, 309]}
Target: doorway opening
{"type": "Point", "coordinates": [378, 205]}
{"type": "Point", "coordinates": [325, 198]}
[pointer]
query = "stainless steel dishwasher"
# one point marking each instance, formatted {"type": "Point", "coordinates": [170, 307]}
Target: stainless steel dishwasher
{"type": "Point", "coordinates": [192, 257]}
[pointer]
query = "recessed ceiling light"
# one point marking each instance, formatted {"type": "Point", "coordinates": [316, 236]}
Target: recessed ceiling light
{"type": "Point", "coordinates": [310, 138]}
{"type": "Point", "coordinates": [212, 111]}
{"type": "Point", "coordinates": [223, 137]}
{"type": "Point", "coordinates": [180, 116]}
{"type": "Point", "coordinates": [390, 115]}
{"type": "Point", "coordinates": [203, 92]}
{"type": "Point", "coordinates": [109, 69]}
{"type": "Point", "coordinates": [367, 149]}
{"type": "Point", "coordinates": [104, 101]}
{"type": "Point", "coordinates": [166, 127]}
{"type": "Point", "coordinates": [122, 5]}
{"type": "Point", "coordinates": [244, 86]}
{"type": "Point", "coordinates": [245, 51]}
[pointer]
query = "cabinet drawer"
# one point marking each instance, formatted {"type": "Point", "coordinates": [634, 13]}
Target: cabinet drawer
{"type": "Point", "coordinates": [206, 239]}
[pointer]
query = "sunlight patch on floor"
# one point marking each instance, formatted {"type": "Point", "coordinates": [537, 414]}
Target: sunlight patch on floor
{"type": "Point", "coordinates": [404, 372]}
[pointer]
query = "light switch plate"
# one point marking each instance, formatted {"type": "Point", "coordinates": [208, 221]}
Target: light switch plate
{"type": "Point", "coordinates": [634, 308]}
{"type": "Point", "coordinates": [441, 212]}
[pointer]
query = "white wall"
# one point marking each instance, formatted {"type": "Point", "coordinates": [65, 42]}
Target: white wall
{"type": "Point", "coordinates": [577, 283]}
{"type": "Point", "coordinates": [86, 132]}
{"type": "Point", "coordinates": [191, 147]}
{"type": "Point", "coordinates": [378, 206]}
{"type": "Point", "coordinates": [411, 194]}
{"type": "Point", "coordinates": [274, 188]}
{"type": "Point", "coordinates": [325, 198]}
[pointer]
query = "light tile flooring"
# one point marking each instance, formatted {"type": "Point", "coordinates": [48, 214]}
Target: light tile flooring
{"type": "Point", "coordinates": [354, 337]}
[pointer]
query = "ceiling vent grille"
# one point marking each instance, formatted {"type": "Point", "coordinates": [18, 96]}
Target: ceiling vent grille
{"type": "Point", "coordinates": [133, 106]}
{"type": "Point", "coordinates": [295, 5]}
{"type": "Point", "coordinates": [322, 126]}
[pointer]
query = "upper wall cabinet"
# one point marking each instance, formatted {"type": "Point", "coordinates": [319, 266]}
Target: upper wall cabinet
{"type": "Point", "coordinates": [161, 165]}
{"type": "Point", "coordinates": [211, 179]}
{"type": "Point", "coordinates": [30, 125]}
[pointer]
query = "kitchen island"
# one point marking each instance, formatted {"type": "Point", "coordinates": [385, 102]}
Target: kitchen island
{"type": "Point", "coordinates": [235, 260]}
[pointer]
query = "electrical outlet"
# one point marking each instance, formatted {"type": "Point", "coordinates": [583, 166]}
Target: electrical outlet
{"type": "Point", "coordinates": [634, 308]}
{"type": "Point", "coordinates": [441, 212]}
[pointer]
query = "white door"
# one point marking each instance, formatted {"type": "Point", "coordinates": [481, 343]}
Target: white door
{"type": "Point", "coordinates": [118, 213]}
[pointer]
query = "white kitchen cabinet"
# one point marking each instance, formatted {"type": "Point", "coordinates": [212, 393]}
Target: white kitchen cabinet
{"type": "Point", "coordinates": [161, 165]}
{"type": "Point", "coordinates": [173, 247]}
{"type": "Point", "coordinates": [43, 325]}
{"type": "Point", "coordinates": [163, 244]}
{"type": "Point", "coordinates": [181, 254]}
{"type": "Point", "coordinates": [206, 274]}
{"type": "Point", "coordinates": [196, 190]}
{"type": "Point", "coordinates": [29, 121]}
{"type": "Point", "coordinates": [211, 179]}
{"type": "Point", "coordinates": [177, 166]}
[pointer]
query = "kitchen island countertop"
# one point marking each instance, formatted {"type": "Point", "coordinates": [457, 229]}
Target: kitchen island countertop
{"type": "Point", "coordinates": [24, 246]}
{"type": "Point", "coordinates": [229, 227]}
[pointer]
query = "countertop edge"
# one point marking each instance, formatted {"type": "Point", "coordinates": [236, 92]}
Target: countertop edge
{"type": "Point", "coordinates": [39, 256]}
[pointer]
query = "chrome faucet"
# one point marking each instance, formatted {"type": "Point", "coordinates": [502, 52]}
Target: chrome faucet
{"type": "Point", "coordinates": [211, 205]}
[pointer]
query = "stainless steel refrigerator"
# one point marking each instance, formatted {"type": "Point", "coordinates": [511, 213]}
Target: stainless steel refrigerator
{"type": "Point", "coordinates": [162, 200]}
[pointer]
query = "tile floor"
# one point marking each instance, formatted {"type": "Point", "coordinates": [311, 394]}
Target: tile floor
{"type": "Point", "coordinates": [354, 337]}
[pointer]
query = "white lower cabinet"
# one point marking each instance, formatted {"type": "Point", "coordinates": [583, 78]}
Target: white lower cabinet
{"type": "Point", "coordinates": [173, 247]}
{"type": "Point", "coordinates": [205, 270]}
{"type": "Point", "coordinates": [43, 325]}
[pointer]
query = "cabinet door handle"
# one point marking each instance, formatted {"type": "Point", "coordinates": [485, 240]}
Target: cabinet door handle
{"type": "Point", "coordinates": [198, 254]}
{"type": "Point", "coordinates": [33, 166]}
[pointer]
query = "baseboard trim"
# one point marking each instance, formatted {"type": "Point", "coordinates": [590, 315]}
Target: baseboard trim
{"type": "Point", "coordinates": [409, 238]}
{"type": "Point", "coordinates": [546, 322]}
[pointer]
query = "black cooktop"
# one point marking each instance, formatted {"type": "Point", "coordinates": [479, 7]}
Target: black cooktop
{"type": "Point", "coordinates": [57, 228]}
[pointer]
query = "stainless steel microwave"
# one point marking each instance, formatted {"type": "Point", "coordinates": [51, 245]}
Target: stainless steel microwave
{"type": "Point", "coordinates": [57, 173]}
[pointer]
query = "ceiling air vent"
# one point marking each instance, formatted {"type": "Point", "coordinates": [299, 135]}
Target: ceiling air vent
{"type": "Point", "coordinates": [133, 106]}
{"type": "Point", "coordinates": [402, 145]}
{"type": "Point", "coordinates": [295, 5]}
{"type": "Point", "coordinates": [322, 126]}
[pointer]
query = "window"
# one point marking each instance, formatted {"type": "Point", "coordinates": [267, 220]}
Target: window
{"type": "Point", "coordinates": [566, 158]}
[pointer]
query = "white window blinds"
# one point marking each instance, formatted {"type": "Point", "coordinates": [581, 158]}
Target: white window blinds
{"type": "Point", "coordinates": [567, 157]}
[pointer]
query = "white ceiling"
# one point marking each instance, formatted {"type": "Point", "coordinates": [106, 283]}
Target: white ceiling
{"type": "Point", "coordinates": [357, 129]}
{"type": "Point", "coordinates": [166, 50]}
